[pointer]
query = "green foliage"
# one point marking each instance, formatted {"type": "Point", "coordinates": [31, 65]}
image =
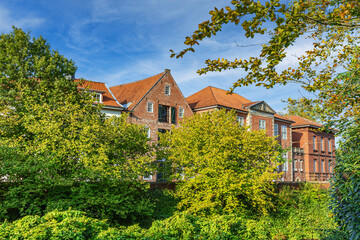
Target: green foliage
{"type": "Point", "coordinates": [55, 225]}
{"type": "Point", "coordinates": [346, 180]}
{"type": "Point", "coordinates": [303, 108]}
{"type": "Point", "coordinates": [225, 167]}
{"type": "Point", "coordinates": [37, 185]}
{"type": "Point", "coordinates": [57, 149]}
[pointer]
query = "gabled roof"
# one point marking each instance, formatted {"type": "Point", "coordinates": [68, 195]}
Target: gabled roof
{"type": "Point", "coordinates": [108, 99]}
{"type": "Point", "coordinates": [303, 122]}
{"type": "Point", "coordinates": [279, 117]}
{"type": "Point", "coordinates": [131, 93]}
{"type": "Point", "coordinates": [211, 96]}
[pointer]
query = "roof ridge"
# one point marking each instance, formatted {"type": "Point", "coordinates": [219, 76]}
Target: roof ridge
{"type": "Point", "coordinates": [138, 80]}
{"type": "Point", "coordinates": [212, 93]}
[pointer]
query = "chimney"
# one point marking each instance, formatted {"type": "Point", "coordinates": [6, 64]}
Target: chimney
{"type": "Point", "coordinates": [167, 70]}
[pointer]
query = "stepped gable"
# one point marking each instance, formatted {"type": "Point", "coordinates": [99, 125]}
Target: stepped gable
{"type": "Point", "coordinates": [107, 98]}
{"type": "Point", "coordinates": [212, 96]}
{"type": "Point", "coordinates": [130, 94]}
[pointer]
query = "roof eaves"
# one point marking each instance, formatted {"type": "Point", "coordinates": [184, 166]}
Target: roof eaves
{"type": "Point", "coordinates": [113, 96]}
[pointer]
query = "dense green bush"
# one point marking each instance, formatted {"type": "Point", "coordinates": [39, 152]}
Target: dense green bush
{"type": "Point", "coordinates": [37, 187]}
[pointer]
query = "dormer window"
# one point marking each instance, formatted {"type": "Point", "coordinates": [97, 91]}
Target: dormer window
{"type": "Point", "coordinates": [98, 97]}
{"type": "Point", "coordinates": [167, 90]}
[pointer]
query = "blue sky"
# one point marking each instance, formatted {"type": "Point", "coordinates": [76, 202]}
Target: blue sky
{"type": "Point", "coordinates": [118, 42]}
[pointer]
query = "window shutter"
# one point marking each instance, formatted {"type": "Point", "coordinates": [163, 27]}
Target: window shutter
{"type": "Point", "coordinates": [160, 110]}
{"type": "Point", "coordinates": [173, 115]}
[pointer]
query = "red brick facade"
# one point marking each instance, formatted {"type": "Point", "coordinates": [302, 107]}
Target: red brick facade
{"type": "Point", "coordinates": [314, 153]}
{"type": "Point", "coordinates": [156, 103]}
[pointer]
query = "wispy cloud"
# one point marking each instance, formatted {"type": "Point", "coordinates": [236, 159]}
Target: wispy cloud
{"type": "Point", "coordinates": [8, 19]}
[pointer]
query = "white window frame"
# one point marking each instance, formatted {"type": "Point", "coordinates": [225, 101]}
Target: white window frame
{"type": "Point", "coordinates": [301, 162]}
{"type": "Point", "coordinates": [295, 168]}
{"type": "Point", "coordinates": [150, 106]}
{"type": "Point", "coordinates": [283, 132]}
{"type": "Point", "coordinates": [240, 120]}
{"type": "Point", "coordinates": [167, 90]}
{"type": "Point", "coordinates": [148, 132]}
{"type": "Point", "coordinates": [148, 177]}
{"type": "Point", "coordinates": [98, 97]}
{"type": "Point", "coordinates": [181, 112]}
{"type": "Point", "coordinates": [260, 124]}
{"type": "Point", "coordinates": [285, 165]}
{"type": "Point", "coordinates": [276, 129]}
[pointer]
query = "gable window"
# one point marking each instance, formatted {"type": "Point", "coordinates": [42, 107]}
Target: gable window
{"type": "Point", "coordinates": [163, 113]}
{"type": "Point", "coordinates": [181, 112]}
{"type": "Point", "coordinates": [262, 124]}
{"type": "Point", "coordinates": [283, 132]}
{"type": "Point", "coordinates": [314, 142]}
{"type": "Point", "coordinates": [150, 107]}
{"type": "Point", "coordinates": [98, 97]}
{"type": "Point", "coordinates": [240, 120]}
{"type": "Point", "coordinates": [276, 129]}
{"type": "Point", "coordinates": [167, 90]}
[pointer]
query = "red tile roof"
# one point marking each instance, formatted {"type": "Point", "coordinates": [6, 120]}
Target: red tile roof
{"type": "Point", "coordinates": [108, 99]}
{"type": "Point", "coordinates": [300, 121]}
{"type": "Point", "coordinates": [133, 92]}
{"type": "Point", "coordinates": [285, 118]}
{"type": "Point", "coordinates": [211, 96]}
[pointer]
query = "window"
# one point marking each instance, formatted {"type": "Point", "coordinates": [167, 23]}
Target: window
{"type": "Point", "coordinates": [284, 132]}
{"type": "Point", "coordinates": [150, 107]}
{"type": "Point", "coordinates": [148, 177]}
{"type": "Point", "coordinates": [314, 142]}
{"type": "Point", "coordinates": [285, 165]}
{"type": "Point", "coordinates": [147, 131]}
{"type": "Point", "coordinates": [173, 115]}
{"type": "Point", "coordinates": [163, 113]}
{"type": "Point", "coordinates": [295, 165]}
{"type": "Point", "coordinates": [322, 144]}
{"type": "Point", "coordinates": [167, 90]}
{"type": "Point", "coordinates": [301, 162]}
{"type": "Point", "coordinates": [262, 124]}
{"type": "Point", "coordinates": [276, 129]}
{"type": "Point", "coordinates": [98, 97]}
{"type": "Point", "coordinates": [240, 120]}
{"type": "Point", "coordinates": [314, 165]}
{"type": "Point", "coordinates": [329, 167]}
{"type": "Point", "coordinates": [322, 167]}
{"type": "Point", "coordinates": [181, 112]}
{"type": "Point", "coordinates": [329, 143]}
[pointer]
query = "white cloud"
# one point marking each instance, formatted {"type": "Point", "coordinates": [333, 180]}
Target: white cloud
{"type": "Point", "coordinates": [7, 20]}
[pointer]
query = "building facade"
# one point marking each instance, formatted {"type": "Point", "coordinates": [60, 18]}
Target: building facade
{"type": "Point", "coordinates": [313, 151]}
{"type": "Point", "coordinates": [256, 115]}
{"type": "Point", "coordinates": [155, 102]}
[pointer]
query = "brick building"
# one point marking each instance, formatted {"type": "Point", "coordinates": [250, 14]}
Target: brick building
{"type": "Point", "coordinates": [155, 102]}
{"type": "Point", "coordinates": [257, 115]}
{"type": "Point", "coordinates": [313, 150]}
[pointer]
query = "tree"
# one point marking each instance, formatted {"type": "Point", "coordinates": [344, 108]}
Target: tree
{"type": "Point", "coordinates": [225, 167]}
{"type": "Point", "coordinates": [302, 107]}
{"type": "Point", "coordinates": [331, 24]}
{"type": "Point", "coordinates": [57, 149]}
{"type": "Point", "coordinates": [333, 27]}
